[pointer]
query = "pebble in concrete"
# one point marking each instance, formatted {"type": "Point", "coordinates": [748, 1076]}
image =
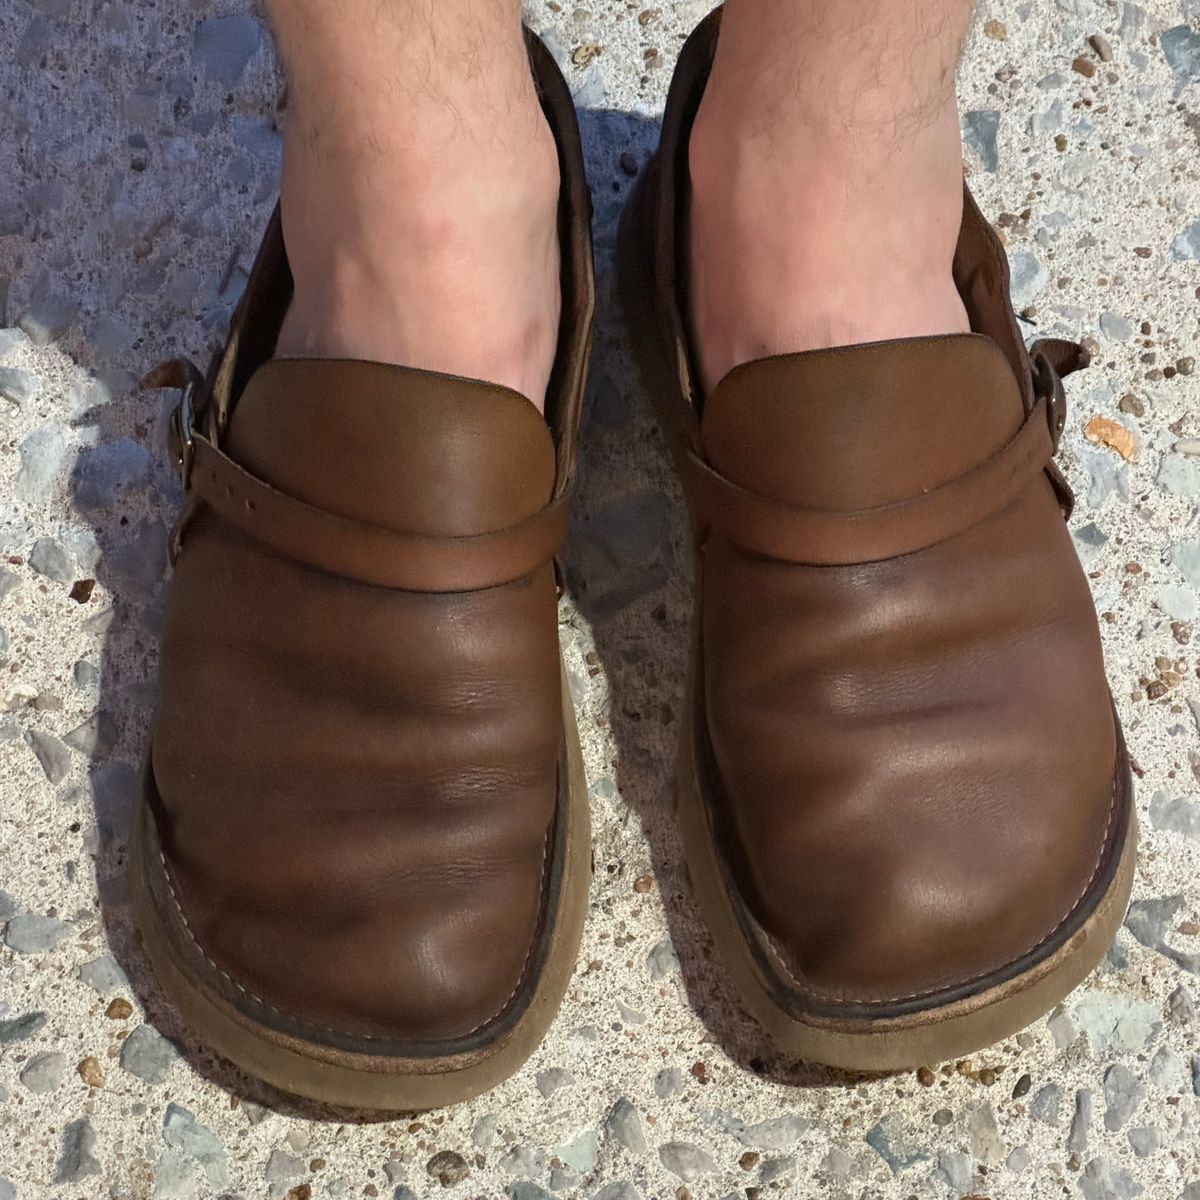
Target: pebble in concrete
{"type": "Point", "coordinates": [1103, 1180]}
{"type": "Point", "coordinates": [447, 1167]}
{"type": "Point", "coordinates": [174, 1176]}
{"type": "Point", "coordinates": [51, 753]}
{"type": "Point", "coordinates": [1180, 1006]}
{"type": "Point", "coordinates": [148, 1055]}
{"type": "Point", "coordinates": [1145, 1140]}
{"type": "Point", "coordinates": [282, 1166]}
{"type": "Point", "coordinates": [888, 1140]}
{"type": "Point", "coordinates": [1123, 1093]}
{"type": "Point", "coordinates": [104, 974]}
{"type": "Point", "coordinates": [17, 386]}
{"type": "Point", "coordinates": [1029, 278]}
{"type": "Point", "coordinates": [33, 933]}
{"type": "Point", "coordinates": [47, 317]}
{"type": "Point", "coordinates": [50, 558]}
{"type": "Point", "coordinates": [42, 455]}
{"type": "Point", "coordinates": [986, 1143]}
{"type": "Point", "coordinates": [76, 1160]}
{"type": "Point", "coordinates": [1113, 1020]}
{"type": "Point", "coordinates": [1181, 48]}
{"type": "Point", "coordinates": [1046, 1104]}
{"type": "Point", "coordinates": [44, 1072]}
{"type": "Point", "coordinates": [619, 1189]}
{"type": "Point", "coordinates": [626, 1127]}
{"type": "Point", "coordinates": [485, 1131]}
{"type": "Point", "coordinates": [554, 1079]}
{"type": "Point", "coordinates": [1081, 1123]}
{"type": "Point", "coordinates": [524, 1160]}
{"type": "Point", "coordinates": [668, 1083]}
{"type": "Point", "coordinates": [17, 1029]}
{"type": "Point", "coordinates": [225, 46]}
{"type": "Point", "coordinates": [581, 1153]}
{"type": "Point", "coordinates": [1178, 476]}
{"type": "Point", "coordinates": [957, 1170]}
{"type": "Point", "coordinates": [1018, 1160]}
{"type": "Point", "coordinates": [182, 1131]}
{"type": "Point", "coordinates": [662, 960]}
{"type": "Point", "coordinates": [777, 1133]}
{"type": "Point", "coordinates": [1186, 247]}
{"type": "Point", "coordinates": [687, 1161]}
{"type": "Point", "coordinates": [979, 132]}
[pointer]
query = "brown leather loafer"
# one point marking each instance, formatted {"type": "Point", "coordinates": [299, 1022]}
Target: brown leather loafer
{"type": "Point", "coordinates": [905, 800]}
{"type": "Point", "coordinates": [361, 865]}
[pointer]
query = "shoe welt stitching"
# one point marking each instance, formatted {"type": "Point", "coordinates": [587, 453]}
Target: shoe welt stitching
{"type": "Point", "coordinates": [817, 993]}
{"type": "Point", "coordinates": [306, 1023]}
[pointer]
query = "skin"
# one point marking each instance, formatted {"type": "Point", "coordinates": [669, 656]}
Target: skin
{"type": "Point", "coordinates": [420, 183]}
{"type": "Point", "coordinates": [420, 189]}
{"type": "Point", "coordinates": [826, 167]}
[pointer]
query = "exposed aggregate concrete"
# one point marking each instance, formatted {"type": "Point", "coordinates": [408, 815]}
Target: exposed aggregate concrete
{"type": "Point", "coordinates": [139, 151]}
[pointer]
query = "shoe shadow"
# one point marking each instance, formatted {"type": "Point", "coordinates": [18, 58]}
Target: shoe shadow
{"type": "Point", "coordinates": [629, 575]}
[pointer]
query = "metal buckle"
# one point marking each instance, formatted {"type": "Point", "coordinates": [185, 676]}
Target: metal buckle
{"type": "Point", "coordinates": [183, 434]}
{"type": "Point", "coordinates": [1049, 386]}
{"type": "Point", "coordinates": [183, 374]}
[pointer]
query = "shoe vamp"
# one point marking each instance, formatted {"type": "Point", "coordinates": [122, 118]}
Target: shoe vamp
{"type": "Point", "coordinates": [357, 783]}
{"type": "Point", "coordinates": [915, 757]}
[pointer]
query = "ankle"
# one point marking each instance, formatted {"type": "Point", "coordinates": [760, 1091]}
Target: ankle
{"type": "Point", "coordinates": [820, 237]}
{"type": "Point", "coordinates": [441, 254]}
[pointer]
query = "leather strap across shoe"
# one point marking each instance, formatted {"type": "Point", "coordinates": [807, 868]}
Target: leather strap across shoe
{"type": "Point", "coordinates": [358, 550]}
{"type": "Point", "coordinates": [905, 800]}
{"type": "Point", "coordinates": [362, 857]}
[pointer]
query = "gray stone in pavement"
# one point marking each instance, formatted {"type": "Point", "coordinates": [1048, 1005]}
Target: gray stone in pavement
{"type": "Point", "coordinates": [626, 1126]}
{"type": "Point", "coordinates": [33, 933]}
{"type": "Point", "coordinates": [686, 1161]}
{"type": "Point", "coordinates": [182, 1131]}
{"type": "Point", "coordinates": [147, 1054]}
{"type": "Point", "coordinates": [44, 1072]}
{"type": "Point", "coordinates": [888, 1140]}
{"type": "Point", "coordinates": [50, 557]}
{"type": "Point", "coordinates": [1081, 1123]}
{"type": "Point", "coordinates": [1181, 48]}
{"type": "Point", "coordinates": [77, 1162]}
{"type": "Point", "coordinates": [225, 46]}
{"type": "Point", "coordinates": [17, 1029]}
{"type": "Point", "coordinates": [50, 752]}
{"type": "Point", "coordinates": [1123, 1093]}
{"type": "Point", "coordinates": [980, 128]}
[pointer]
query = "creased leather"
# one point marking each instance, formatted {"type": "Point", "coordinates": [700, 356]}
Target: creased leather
{"type": "Point", "coordinates": [359, 727]}
{"type": "Point", "coordinates": [913, 750]}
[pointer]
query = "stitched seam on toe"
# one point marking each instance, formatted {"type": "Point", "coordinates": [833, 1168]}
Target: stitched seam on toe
{"type": "Point", "coordinates": [308, 1022]}
{"type": "Point", "coordinates": [528, 953]}
{"type": "Point", "coordinates": [820, 994]}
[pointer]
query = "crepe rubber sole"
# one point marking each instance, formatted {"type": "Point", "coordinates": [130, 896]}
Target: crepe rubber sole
{"type": "Point", "coordinates": [896, 1042]}
{"type": "Point", "coordinates": [376, 1082]}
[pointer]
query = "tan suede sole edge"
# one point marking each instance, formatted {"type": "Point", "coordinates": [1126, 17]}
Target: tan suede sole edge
{"type": "Point", "coordinates": [379, 1082]}
{"type": "Point", "coordinates": [924, 1037]}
